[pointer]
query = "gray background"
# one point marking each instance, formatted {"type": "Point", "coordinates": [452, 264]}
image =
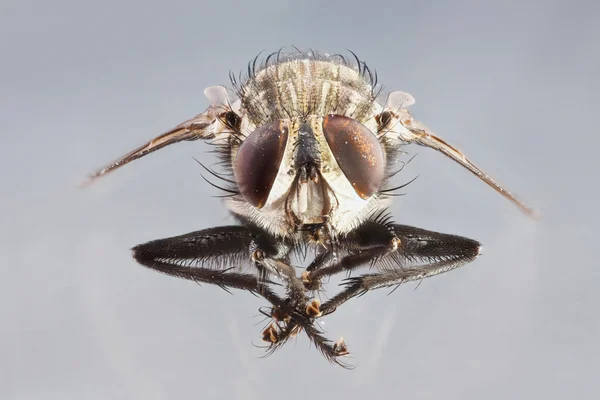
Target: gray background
{"type": "Point", "coordinates": [513, 84]}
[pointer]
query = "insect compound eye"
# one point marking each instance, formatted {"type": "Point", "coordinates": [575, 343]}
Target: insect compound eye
{"type": "Point", "coordinates": [357, 151]}
{"type": "Point", "coordinates": [258, 159]}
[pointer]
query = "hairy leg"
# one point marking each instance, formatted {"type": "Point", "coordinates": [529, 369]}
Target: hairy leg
{"type": "Point", "coordinates": [420, 254]}
{"type": "Point", "coordinates": [210, 256]}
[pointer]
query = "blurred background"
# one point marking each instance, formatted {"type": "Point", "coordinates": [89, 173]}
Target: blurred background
{"type": "Point", "coordinates": [511, 83]}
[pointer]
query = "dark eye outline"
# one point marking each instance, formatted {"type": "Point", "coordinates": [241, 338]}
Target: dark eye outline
{"type": "Point", "coordinates": [258, 159]}
{"type": "Point", "coordinates": [357, 151]}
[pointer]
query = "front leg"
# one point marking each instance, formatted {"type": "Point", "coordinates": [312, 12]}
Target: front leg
{"type": "Point", "coordinates": [373, 243]}
{"type": "Point", "coordinates": [270, 256]}
{"type": "Point", "coordinates": [215, 256]}
{"type": "Point", "coordinates": [210, 255]}
{"type": "Point", "coordinates": [369, 243]}
{"type": "Point", "coordinates": [420, 254]}
{"type": "Point", "coordinates": [205, 256]}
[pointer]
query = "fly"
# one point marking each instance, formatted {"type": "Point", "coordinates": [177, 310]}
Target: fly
{"type": "Point", "coordinates": [308, 152]}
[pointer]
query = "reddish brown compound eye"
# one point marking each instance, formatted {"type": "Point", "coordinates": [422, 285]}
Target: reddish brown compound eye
{"type": "Point", "coordinates": [357, 152]}
{"type": "Point", "coordinates": [258, 160]}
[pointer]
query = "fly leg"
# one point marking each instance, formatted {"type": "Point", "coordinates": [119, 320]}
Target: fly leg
{"type": "Point", "coordinates": [271, 257]}
{"type": "Point", "coordinates": [206, 256]}
{"type": "Point", "coordinates": [210, 255]}
{"type": "Point", "coordinates": [297, 312]}
{"type": "Point", "coordinates": [369, 244]}
{"type": "Point", "coordinates": [420, 254]}
{"type": "Point", "coordinates": [366, 245]}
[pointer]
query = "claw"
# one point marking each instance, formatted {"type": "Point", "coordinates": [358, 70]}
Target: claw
{"type": "Point", "coordinates": [309, 283]}
{"type": "Point", "coordinates": [279, 315]}
{"type": "Point", "coordinates": [271, 334]}
{"type": "Point", "coordinates": [340, 347]}
{"type": "Point", "coordinates": [314, 309]}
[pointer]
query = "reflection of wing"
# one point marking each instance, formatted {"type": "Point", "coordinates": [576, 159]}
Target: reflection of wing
{"type": "Point", "coordinates": [192, 129]}
{"type": "Point", "coordinates": [416, 132]}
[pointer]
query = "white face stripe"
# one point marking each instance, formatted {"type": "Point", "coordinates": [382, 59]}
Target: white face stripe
{"type": "Point", "coordinates": [286, 173]}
